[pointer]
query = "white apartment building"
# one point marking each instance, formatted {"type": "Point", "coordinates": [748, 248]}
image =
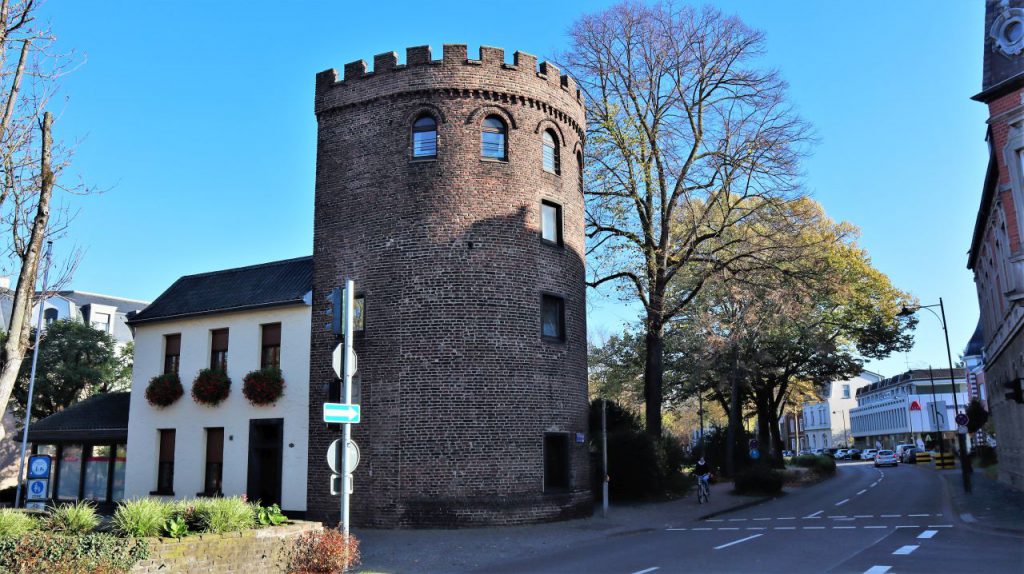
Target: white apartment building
{"type": "Point", "coordinates": [915, 407]}
{"type": "Point", "coordinates": [826, 423]}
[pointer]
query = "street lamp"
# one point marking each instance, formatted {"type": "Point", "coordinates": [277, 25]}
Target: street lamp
{"type": "Point", "coordinates": [961, 437]}
{"type": "Point", "coordinates": [846, 437]}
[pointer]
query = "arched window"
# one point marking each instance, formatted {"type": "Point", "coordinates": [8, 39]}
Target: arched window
{"type": "Point", "coordinates": [492, 138]}
{"type": "Point", "coordinates": [549, 153]}
{"type": "Point", "coordinates": [49, 315]}
{"type": "Point", "coordinates": [424, 137]}
{"type": "Point", "coordinates": [579, 166]}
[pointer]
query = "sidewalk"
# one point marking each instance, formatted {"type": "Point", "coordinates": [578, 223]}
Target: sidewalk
{"type": "Point", "coordinates": [399, 551]}
{"type": "Point", "coordinates": [991, 505]}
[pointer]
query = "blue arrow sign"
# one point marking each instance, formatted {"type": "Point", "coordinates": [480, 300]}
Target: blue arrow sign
{"type": "Point", "coordinates": [341, 413]}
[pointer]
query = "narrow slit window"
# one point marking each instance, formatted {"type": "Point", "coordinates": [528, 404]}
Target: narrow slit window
{"type": "Point", "coordinates": [549, 153]}
{"type": "Point", "coordinates": [219, 350]}
{"type": "Point", "coordinates": [551, 222]}
{"type": "Point", "coordinates": [270, 355]}
{"type": "Point", "coordinates": [424, 137]}
{"type": "Point", "coordinates": [214, 461]}
{"type": "Point", "coordinates": [172, 353]}
{"type": "Point", "coordinates": [165, 470]}
{"type": "Point", "coordinates": [552, 320]}
{"type": "Point", "coordinates": [492, 138]}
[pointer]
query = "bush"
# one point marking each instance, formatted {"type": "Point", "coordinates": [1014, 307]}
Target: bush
{"type": "Point", "coordinates": [263, 387]}
{"type": "Point", "coordinates": [986, 455]}
{"type": "Point", "coordinates": [759, 479]}
{"type": "Point", "coordinates": [163, 390]}
{"type": "Point", "coordinates": [15, 522]}
{"type": "Point", "coordinates": [326, 551]}
{"type": "Point", "coordinates": [141, 517]}
{"type": "Point", "coordinates": [820, 464]}
{"type": "Point", "coordinates": [72, 518]}
{"type": "Point", "coordinates": [211, 387]}
{"type": "Point", "coordinates": [44, 553]}
{"type": "Point", "coordinates": [220, 514]}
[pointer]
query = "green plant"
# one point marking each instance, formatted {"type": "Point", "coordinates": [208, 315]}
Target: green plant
{"type": "Point", "coordinates": [176, 527]}
{"type": "Point", "coordinates": [264, 386]}
{"type": "Point", "coordinates": [163, 390]}
{"type": "Point", "coordinates": [222, 514]}
{"type": "Point", "coordinates": [324, 551]}
{"type": "Point", "coordinates": [72, 518]}
{"type": "Point", "coordinates": [759, 479]}
{"type": "Point", "coordinates": [269, 516]}
{"type": "Point", "coordinates": [15, 522]}
{"type": "Point", "coordinates": [211, 387]}
{"type": "Point", "coordinates": [986, 455]}
{"type": "Point", "coordinates": [820, 464]}
{"type": "Point", "coordinates": [44, 553]}
{"type": "Point", "coordinates": [141, 517]}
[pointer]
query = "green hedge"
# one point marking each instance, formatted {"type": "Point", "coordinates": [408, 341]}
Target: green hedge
{"type": "Point", "coordinates": [817, 463]}
{"type": "Point", "coordinates": [43, 553]}
{"type": "Point", "coordinates": [759, 479]}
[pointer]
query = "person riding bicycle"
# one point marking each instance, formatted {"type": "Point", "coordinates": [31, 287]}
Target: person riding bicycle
{"type": "Point", "coordinates": [702, 470]}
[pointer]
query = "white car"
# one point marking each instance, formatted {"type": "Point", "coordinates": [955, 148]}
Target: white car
{"type": "Point", "coordinates": [902, 447]}
{"type": "Point", "coordinates": [886, 458]}
{"type": "Point", "coordinates": [868, 453]}
{"type": "Point", "coordinates": [839, 454]}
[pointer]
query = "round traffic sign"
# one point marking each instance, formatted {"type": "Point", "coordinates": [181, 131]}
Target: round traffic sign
{"type": "Point", "coordinates": [352, 452]}
{"type": "Point", "coordinates": [962, 419]}
{"type": "Point", "coordinates": [336, 360]}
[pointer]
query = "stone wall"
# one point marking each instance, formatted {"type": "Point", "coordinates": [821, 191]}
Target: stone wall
{"type": "Point", "coordinates": [264, 550]}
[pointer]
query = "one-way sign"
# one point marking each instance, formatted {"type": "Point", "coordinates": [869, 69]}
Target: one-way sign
{"type": "Point", "coordinates": [341, 413]}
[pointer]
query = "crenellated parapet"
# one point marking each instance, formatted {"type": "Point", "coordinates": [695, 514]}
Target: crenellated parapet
{"type": "Point", "coordinates": [489, 77]}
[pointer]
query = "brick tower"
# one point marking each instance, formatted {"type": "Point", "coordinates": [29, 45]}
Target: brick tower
{"type": "Point", "coordinates": [449, 190]}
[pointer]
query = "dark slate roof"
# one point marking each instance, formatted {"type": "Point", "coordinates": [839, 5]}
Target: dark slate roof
{"type": "Point", "coordinates": [976, 345]}
{"type": "Point", "coordinates": [265, 285]}
{"type": "Point", "coordinates": [102, 417]}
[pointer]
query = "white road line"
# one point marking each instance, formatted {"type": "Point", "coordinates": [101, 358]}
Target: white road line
{"type": "Point", "coordinates": [874, 484]}
{"type": "Point", "coordinates": [728, 528]}
{"type": "Point", "coordinates": [757, 528]}
{"type": "Point", "coordinates": [863, 515]}
{"type": "Point", "coordinates": [784, 528]}
{"type": "Point", "coordinates": [814, 528]}
{"type": "Point", "coordinates": [763, 519]}
{"type": "Point", "coordinates": [674, 529]}
{"type": "Point", "coordinates": [907, 526]}
{"type": "Point", "coordinates": [904, 550]}
{"type": "Point", "coordinates": [842, 502]}
{"type": "Point", "coordinates": [814, 514]}
{"type": "Point", "coordinates": [916, 515]}
{"type": "Point", "coordinates": [843, 527]}
{"type": "Point", "coordinates": [860, 492]}
{"type": "Point", "coordinates": [891, 515]}
{"type": "Point", "coordinates": [940, 526]}
{"type": "Point", "coordinates": [788, 518]}
{"type": "Point", "coordinates": [877, 570]}
{"type": "Point", "coordinates": [876, 527]}
{"type": "Point", "coordinates": [837, 516]}
{"type": "Point", "coordinates": [646, 571]}
{"type": "Point", "coordinates": [715, 520]}
{"type": "Point", "coordinates": [928, 534]}
{"type": "Point", "coordinates": [702, 528]}
{"type": "Point", "coordinates": [751, 537]}
{"type": "Point", "coordinates": [737, 519]}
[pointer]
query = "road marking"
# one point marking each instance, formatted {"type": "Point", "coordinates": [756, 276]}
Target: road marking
{"type": "Point", "coordinates": [874, 484]}
{"type": "Point", "coordinates": [751, 537]}
{"type": "Point", "coordinates": [764, 519]}
{"type": "Point", "coordinates": [904, 550]}
{"type": "Point", "coordinates": [843, 527]}
{"type": "Point", "coordinates": [814, 528]}
{"type": "Point", "coordinates": [814, 514]}
{"type": "Point", "coordinates": [877, 570]}
{"type": "Point", "coordinates": [863, 515]}
{"type": "Point", "coordinates": [737, 519]}
{"type": "Point", "coordinates": [784, 528]}
{"type": "Point", "coordinates": [646, 571]}
{"type": "Point", "coordinates": [860, 492]}
{"type": "Point", "coordinates": [907, 526]}
{"type": "Point", "coordinates": [876, 527]}
{"type": "Point", "coordinates": [702, 529]}
{"type": "Point", "coordinates": [842, 502]}
{"type": "Point", "coordinates": [728, 528]}
{"type": "Point", "coordinates": [927, 534]}
{"type": "Point", "coordinates": [788, 518]}
{"type": "Point", "coordinates": [891, 515]}
{"type": "Point", "coordinates": [757, 528]}
{"type": "Point", "coordinates": [967, 517]}
{"type": "Point", "coordinates": [674, 529]}
{"type": "Point", "coordinates": [715, 520]}
{"type": "Point", "coordinates": [940, 526]}
{"type": "Point", "coordinates": [916, 515]}
{"type": "Point", "coordinates": [837, 516]}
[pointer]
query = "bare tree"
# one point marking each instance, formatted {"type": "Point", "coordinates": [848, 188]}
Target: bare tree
{"type": "Point", "coordinates": [687, 139]}
{"type": "Point", "coordinates": [29, 167]}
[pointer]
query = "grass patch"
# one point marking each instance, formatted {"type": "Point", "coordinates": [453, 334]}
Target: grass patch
{"type": "Point", "coordinates": [141, 517]}
{"type": "Point", "coordinates": [15, 523]}
{"type": "Point", "coordinates": [72, 518]}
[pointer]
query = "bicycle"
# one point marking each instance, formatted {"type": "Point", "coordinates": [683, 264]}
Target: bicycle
{"type": "Point", "coordinates": [703, 489]}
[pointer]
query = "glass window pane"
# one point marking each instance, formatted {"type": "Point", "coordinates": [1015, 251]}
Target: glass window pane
{"type": "Point", "coordinates": [493, 145]}
{"type": "Point", "coordinates": [119, 463]}
{"type": "Point", "coordinates": [549, 222]}
{"type": "Point", "coordinates": [70, 472]}
{"type": "Point", "coordinates": [551, 317]}
{"type": "Point", "coordinates": [97, 468]}
{"type": "Point", "coordinates": [424, 144]}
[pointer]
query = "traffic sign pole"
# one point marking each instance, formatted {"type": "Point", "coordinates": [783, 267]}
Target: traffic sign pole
{"type": "Point", "coordinates": [346, 432]}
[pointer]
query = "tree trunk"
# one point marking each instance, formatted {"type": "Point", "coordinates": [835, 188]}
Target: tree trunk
{"type": "Point", "coordinates": [735, 419]}
{"type": "Point", "coordinates": [654, 370]}
{"type": "Point", "coordinates": [776, 438]}
{"type": "Point", "coordinates": [24, 293]}
{"type": "Point", "coordinates": [763, 426]}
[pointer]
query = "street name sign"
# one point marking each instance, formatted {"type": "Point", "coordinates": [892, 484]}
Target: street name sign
{"type": "Point", "coordinates": [341, 413]}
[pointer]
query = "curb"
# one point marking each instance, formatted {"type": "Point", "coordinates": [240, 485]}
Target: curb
{"type": "Point", "coordinates": [741, 506]}
{"type": "Point", "coordinates": [960, 510]}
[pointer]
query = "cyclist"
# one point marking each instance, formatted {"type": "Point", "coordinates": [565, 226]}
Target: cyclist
{"type": "Point", "coordinates": [703, 472]}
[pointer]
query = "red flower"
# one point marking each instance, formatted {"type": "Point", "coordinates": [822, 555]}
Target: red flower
{"type": "Point", "coordinates": [210, 387]}
{"type": "Point", "coordinates": [263, 387]}
{"type": "Point", "coordinates": [163, 390]}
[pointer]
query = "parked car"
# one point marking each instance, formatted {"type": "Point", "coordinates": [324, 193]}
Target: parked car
{"type": "Point", "coordinates": [868, 454]}
{"type": "Point", "coordinates": [818, 451]}
{"type": "Point", "coordinates": [787, 453]}
{"type": "Point", "coordinates": [839, 454]}
{"type": "Point", "coordinates": [886, 458]}
{"type": "Point", "coordinates": [909, 455]}
{"type": "Point", "coordinates": [804, 451]}
{"type": "Point", "coordinates": [902, 447]}
{"type": "Point", "coordinates": [853, 454]}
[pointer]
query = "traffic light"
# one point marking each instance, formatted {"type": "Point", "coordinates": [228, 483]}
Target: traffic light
{"type": "Point", "coordinates": [1015, 390]}
{"type": "Point", "coordinates": [336, 311]}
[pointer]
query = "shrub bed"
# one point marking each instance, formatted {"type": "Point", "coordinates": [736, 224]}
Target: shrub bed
{"type": "Point", "coordinates": [325, 551]}
{"type": "Point", "coordinates": [759, 480]}
{"type": "Point", "coordinates": [44, 553]}
{"type": "Point", "coordinates": [824, 465]}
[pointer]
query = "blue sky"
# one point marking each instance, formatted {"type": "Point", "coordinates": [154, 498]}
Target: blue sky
{"type": "Point", "coordinates": [196, 118]}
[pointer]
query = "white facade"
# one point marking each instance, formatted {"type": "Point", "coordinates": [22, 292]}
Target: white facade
{"type": "Point", "coordinates": [826, 424]}
{"type": "Point", "coordinates": [190, 419]}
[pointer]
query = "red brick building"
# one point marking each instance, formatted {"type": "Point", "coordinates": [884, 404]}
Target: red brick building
{"type": "Point", "coordinates": [450, 191]}
{"type": "Point", "coordinates": [996, 257]}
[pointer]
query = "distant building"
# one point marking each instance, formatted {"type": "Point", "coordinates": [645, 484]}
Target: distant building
{"type": "Point", "coordinates": [792, 431]}
{"type": "Point", "coordinates": [826, 423]}
{"type": "Point", "coordinates": [996, 256]}
{"type": "Point", "coordinates": [915, 407]}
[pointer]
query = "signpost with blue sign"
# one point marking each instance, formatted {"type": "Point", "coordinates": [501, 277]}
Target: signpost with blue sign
{"type": "Point", "coordinates": [38, 483]}
{"type": "Point", "coordinates": [341, 304]}
{"type": "Point", "coordinates": [341, 413]}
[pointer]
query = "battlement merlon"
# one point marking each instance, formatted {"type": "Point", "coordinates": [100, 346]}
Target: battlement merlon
{"type": "Point", "coordinates": [453, 55]}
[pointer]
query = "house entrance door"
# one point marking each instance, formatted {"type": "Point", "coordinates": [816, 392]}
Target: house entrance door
{"type": "Point", "coordinates": [266, 437]}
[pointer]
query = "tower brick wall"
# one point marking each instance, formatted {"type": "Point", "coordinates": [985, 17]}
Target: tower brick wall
{"type": "Point", "coordinates": [458, 387]}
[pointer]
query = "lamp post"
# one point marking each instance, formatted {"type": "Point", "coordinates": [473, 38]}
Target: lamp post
{"type": "Point", "coordinates": [961, 437]}
{"type": "Point", "coordinates": [846, 437]}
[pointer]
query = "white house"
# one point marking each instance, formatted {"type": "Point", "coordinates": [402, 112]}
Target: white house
{"type": "Point", "coordinates": [826, 423]}
{"type": "Point", "coordinates": [247, 319]}
{"type": "Point", "coordinates": [915, 407]}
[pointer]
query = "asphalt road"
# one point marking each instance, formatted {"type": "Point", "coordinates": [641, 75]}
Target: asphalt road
{"type": "Point", "coordinates": [865, 520]}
